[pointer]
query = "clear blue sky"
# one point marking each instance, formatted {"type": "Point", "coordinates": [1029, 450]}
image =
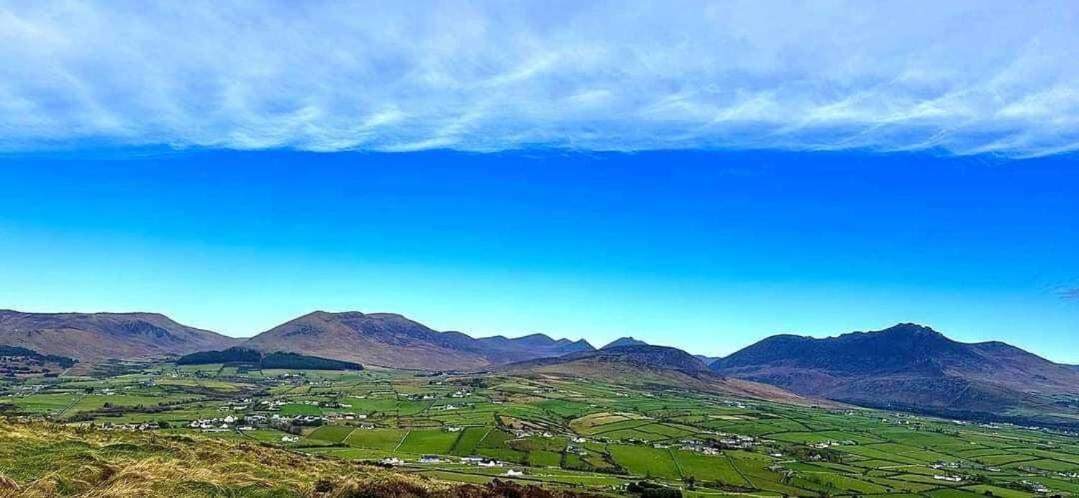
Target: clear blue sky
{"type": "Point", "coordinates": [699, 174]}
{"type": "Point", "coordinates": [704, 250]}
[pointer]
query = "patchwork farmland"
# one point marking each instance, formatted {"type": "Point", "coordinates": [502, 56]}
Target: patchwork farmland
{"type": "Point", "coordinates": [575, 434]}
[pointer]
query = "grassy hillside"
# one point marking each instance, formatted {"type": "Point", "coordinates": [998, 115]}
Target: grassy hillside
{"type": "Point", "coordinates": [52, 459]}
{"type": "Point", "coordinates": [46, 460]}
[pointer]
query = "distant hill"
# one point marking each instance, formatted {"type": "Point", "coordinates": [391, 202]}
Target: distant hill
{"type": "Point", "coordinates": [92, 337]}
{"type": "Point", "coordinates": [624, 341]}
{"type": "Point", "coordinates": [500, 349]}
{"type": "Point", "coordinates": [386, 339]}
{"type": "Point", "coordinates": [632, 341]}
{"type": "Point", "coordinates": [910, 367]}
{"type": "Point", "coordinates": [660, 357]}
{"type": "Point", "coordinates": [651, 367]}
{"type": "Point", "coordinates": [708, 360]}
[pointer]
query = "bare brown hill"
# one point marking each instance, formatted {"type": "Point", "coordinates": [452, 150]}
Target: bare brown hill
{"type": "Point", "coordinates": [93, 337]}
{"type": "Point", "coordinates": [916, 368]}
{"type": "Point", "coordinates": [391, 340]}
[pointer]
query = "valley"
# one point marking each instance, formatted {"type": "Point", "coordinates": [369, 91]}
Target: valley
{"type": "Point", "coordinates": [903, 411]}
{"type": "Point", "coordinates": [590, 433]}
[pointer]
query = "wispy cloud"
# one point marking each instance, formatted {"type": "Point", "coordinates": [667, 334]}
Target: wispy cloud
{"type": "Point", "coordinates": [964, 77]}
{"type": "Point", "coordinates": [1069, 294]}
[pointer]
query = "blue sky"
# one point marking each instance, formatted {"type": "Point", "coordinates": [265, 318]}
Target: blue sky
{"type": "Point", "coordinates": [697, 174]}
{"type": "Point", "coordinates": [705, 250]}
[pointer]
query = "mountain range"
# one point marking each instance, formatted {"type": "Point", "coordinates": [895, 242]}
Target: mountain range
{"type": "Point", "coordinates": [915, 368]}
{"type": "Point", "coordinates": [378, 339]}
{"type": "Point", "coordinates": [391, 340]}
{"type": "Point", "coordinates": [907, 367]}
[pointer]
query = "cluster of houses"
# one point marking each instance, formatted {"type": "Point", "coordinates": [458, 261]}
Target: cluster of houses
{"type": "Point", "coordinates": [724, 442]}
{"type": "Point", "coordinates": [481, 462]}
{"type": "Point", "coordinates": [523, 433]}
{"type": "Point", "coordinates": [1036, 487]}
{"type": "Point", "coordinates": [308, 420]}
{"type": "Point", "coordinates": [947, 477]}
{"type": "Point", "coordinates": [419, 397]}
{"type": "Point", "coordinates": [946, 465]}
{"type": "Point", "coordinates": [698, 447]}
{"type": "Point", "coordinates": [460, 393]}
{"type": "Point", "coordinates": [275, 404]}
{"type": "Point", "coordinates": [736, 442]}
{"type": "Point", "coordinates": [831, 444]}
{"type": "Point", "coordinates": [576, 449]}
{"type": "Point", "coordinates": [900, 419]}
{"type": "Point", "coordinates": [132, 427]}
{"type": "Point", "coordinates": [252, 421]}
{"type": "Point", "coordinates": [271, 404]}
{"type": "Point", "coordinates": [433, 459]}
{"type": "Point", "coordinates": [335, 416]}
{"type": "Point", "coordinates": [221, 424]}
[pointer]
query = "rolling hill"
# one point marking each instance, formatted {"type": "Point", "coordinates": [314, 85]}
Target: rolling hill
{"type": "Point", "coordinates": [386, 339]}
{"type": "Point", "coordinates": [652, 367]}
{"type": "Point", "coordinates": [643, 355]}
{"type": "Point", "coordinates": [912, 367]}
{"type": "Point", "coordinates": [91, 337]}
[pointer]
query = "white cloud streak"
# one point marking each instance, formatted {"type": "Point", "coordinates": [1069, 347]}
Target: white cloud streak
{"type": "Point", "coordinates": [964, 77]}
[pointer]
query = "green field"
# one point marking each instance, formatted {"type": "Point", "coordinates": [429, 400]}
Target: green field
{"type": "Point", "coordinates": [646, 461]}
{"type": "Point", "coordinates": [574, 433]}
{"type": "Point", "coordinates": [332, 433]}
{"type": "Point", "coordinates": [428, 442]}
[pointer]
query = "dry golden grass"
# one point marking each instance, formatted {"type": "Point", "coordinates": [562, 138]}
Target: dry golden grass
{"type": "Point", "coordinates": [41, 459]}
{"type": "Point", "coordinates": [47, 460]}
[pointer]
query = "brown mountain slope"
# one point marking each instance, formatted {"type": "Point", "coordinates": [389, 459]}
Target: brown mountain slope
{"type": "Point", "coordinates": [915, 368]}
{"type": "Point", "coordinates": [382, 339]}
{"type": "Point", "coordinates": [391, 340]}
{"type": "Point", "coordinates": [93, 337]}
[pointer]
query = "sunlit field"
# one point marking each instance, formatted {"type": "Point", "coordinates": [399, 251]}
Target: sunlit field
{"type": "Point", "coordinates": [567, 433]}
